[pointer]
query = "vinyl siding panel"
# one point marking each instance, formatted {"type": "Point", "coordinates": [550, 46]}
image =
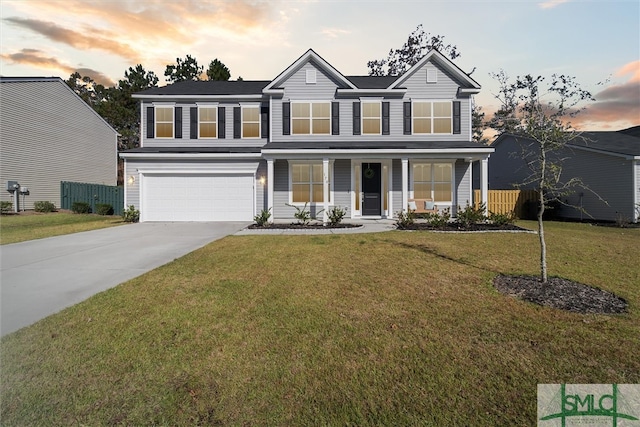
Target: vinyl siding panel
{"type": "Point", "coordinates": [48, 135]}
{"type": "Point", "coordinates": [396, 185]}
{"type": "Point", "coordinates": [281, 190]}
{"type": "Point", "coordinates": [463, 195]}
{"type": "Point", "coordinates": [187, 141]}
{"type": "Point", "coordinates": [506, 165]}
{"type": "Point", "coordinates": [342, 184]}
{"type": "Point", "coordinates": [610, 177]}
{"type": "Point", "coordinates": [295, 89]}
{"type": "Point", "coordinates": [261, 190]}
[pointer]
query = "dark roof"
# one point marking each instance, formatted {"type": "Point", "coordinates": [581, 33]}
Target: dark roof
{"type": "Point", "coordinates": [633, 131]}
{"type": "Point", "coordinates": [190, 150]}
{"type": "Point", "coordinates": [372, 82]}
{"type": "Point", "coordinates": [374, 145]}
{"type": "Point", "coordinates": [612, 142]}
{"type": "Point", "coordinates": [207, 87]}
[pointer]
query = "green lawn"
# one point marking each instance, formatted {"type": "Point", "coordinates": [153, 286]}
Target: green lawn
{"type": "Point", "coordinates": [19, 228]}
{"type": "Point", "coordinates": [397, 328]}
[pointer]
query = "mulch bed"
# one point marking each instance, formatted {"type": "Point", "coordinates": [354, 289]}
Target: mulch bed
{"type": "Point", "coordinates": [295, 226]}
{"type": "Point", "coordinates": [562, 294]}
{"type": "Point", "coordinates": [458, 227]}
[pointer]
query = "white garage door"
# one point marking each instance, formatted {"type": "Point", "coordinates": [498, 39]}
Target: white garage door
{"type": "Point", "coordinates": [197, 198]}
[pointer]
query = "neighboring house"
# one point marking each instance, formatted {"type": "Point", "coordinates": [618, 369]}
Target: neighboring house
{"type": "Point", "coordinates": [49, 134]}
{"type": "Point", "coordinates": [608, 163]}
{"type": "Point", "coordinates": [214, 150]}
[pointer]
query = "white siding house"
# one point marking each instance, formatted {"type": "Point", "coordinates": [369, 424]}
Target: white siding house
{"type": "Point", "coordinates": [49, 134]}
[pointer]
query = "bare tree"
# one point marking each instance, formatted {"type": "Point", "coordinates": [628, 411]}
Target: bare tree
{"type": "Point", "coordinates": [539, 112]}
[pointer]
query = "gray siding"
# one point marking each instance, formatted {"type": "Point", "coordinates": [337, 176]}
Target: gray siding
{"type": "Point", "coordinates": [506, 165]}
{"type": "Point", "coordinates": [186, 140]}
{"type": "Point", "coordinates": [396, 186]}
{"type": "Point", "coordinates": [342, 184]}
{"type": "Point", "coordinates": [295, 89]}
{"type": "Point", "coordinates": [281, 190]}
{"type": "Point", "coordinates": [610, 177]}
{"type": "Point", "coordinates": [50, 135]}
{"type": "Point", "coordinates": [261, 189]}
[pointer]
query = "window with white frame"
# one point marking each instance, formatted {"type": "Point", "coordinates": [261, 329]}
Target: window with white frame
{"type": "Point", "coordinates": [311, 118]}
{"type": "Point", "coordinates": [371, 118]}
{"type": "Point", "coordinates": [207, 122]}
{"type": "Point", "coordinates": [433, 181]}
{"type": "Point", "coordinates": [251, 122]}
{"type": "Point", "coordinates": [307, 182]}
{"type": "Point", "coordinates": [164, 122]}
{"type": "Point", "coordinates": [431, 117]}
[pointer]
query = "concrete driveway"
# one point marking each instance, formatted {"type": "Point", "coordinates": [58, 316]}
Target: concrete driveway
{"type": "Point", "coordinates": [41, 277]}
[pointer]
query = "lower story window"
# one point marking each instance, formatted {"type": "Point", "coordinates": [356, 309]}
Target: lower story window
{"type": "Point", "coordinates": [307, 183]}
{"type": "Point", "coordinates": [432, 181]}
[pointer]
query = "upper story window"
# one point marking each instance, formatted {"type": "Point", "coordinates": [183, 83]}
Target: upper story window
{"type": "Point", "coordinates": [432, 117]}
{"type": "Point", "coordinates": [164, 122]}
{"type": "Point", "coordinates": [311, 118]}
{"type": "Point", "coordinates": [207, 122]}
{"type": "Point", "coordinates": [371, 118]}
{"type": "Point", "coordinates": [251, 122]}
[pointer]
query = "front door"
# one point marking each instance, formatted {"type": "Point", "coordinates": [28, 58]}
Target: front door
{"type": "Point", "coordinates": [371, 185]}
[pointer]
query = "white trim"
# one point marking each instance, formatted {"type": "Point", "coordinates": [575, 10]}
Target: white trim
{"type": "Point", "coordinates": [257, 97]}
{"type": "Point", "coordinates": [297, 135]}
{"type": "Point", "coordinates": [206, 105]}
{"type": "Point", "coordinates": [251, 105]}
{"type": "Point", "coordinates": [432, 117]}
{"type": "Point", "coordinates": [187, 156]}
{"type": "Point", "coordinates": [370, 101]}
{"type": "Point", "coordinates": [378, 153]}
{"type": "Point", "coordinates": [635, 169]}
{"type": "Point", "coordinates": [271, 118]}
{"type": "Point", "coordinates": [311, 77]}
{"type": "Point", "coordinates": [143, 123]}
{"type": "Point", "coordinates": [433, 73]}
{"type": "Point", "coordinates": [270, 188]}
{"type": "Point", "coordinates": [366, 92]}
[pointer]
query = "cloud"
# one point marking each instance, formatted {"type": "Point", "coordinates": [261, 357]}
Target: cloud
{"type": "Point", "coordinates": [100, 40]}
{"type": "Point", "coordinates": [334, 33]}
{"type": "Point", "coordinates": [632, 68]}
{"type": "Point", "coordinates": [549, 4]}
{"type": "Point", "coordinates": [36, 58]}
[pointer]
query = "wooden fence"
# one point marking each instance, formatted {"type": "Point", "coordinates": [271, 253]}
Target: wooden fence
{"type": "Point", "coordinates": [505, 201]}
{"type": "Point", "coordinates": [93, 194]}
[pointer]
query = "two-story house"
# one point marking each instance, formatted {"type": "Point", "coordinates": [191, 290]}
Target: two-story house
{"type": "Point", "coordinates": [220, 151]}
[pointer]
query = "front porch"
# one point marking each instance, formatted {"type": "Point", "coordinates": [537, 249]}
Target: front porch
{"type": "Point", "coordinates": [369, 187]}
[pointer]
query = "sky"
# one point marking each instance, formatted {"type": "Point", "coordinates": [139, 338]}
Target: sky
{"type": "Point", "coordinates": [596, 41]}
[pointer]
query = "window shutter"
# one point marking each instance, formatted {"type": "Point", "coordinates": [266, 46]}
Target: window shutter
{"type": "Point", "coordinates": [264, 118]}
{"type": "Point", "coordinates": [236, 123]}
{"type": "Point", "coordinates": [385, 118]}
{"type": "Point", "coordinates": [221, 123]}
{"type": "Point", "coordinates": [356, 118]}
{"type": "Point", "coordinates": [178, 122]}
{"type": "Point", "coordinates": [406, 118]}
{"type": "Point", "coordinates": [335, 118]}
{"type": "Point", "coordinates": [286, 118]}
{"type": "Point", "coordinates": [456, 116]}
{"type": "Point", "coordinates": [150, 122]}
{"type": "Point", "coordinates": [193, 122]}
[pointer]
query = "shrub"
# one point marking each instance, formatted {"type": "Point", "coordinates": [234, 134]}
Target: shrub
{"type": "Point", "coordinates": [131, 214]}
{"type": "Point", "coordinates": [470, 215]}
{"type": "Point", "coordinates": [44, 206]}
{"type": "Point", "coordinates": [501, 218]}
{"type": "Point", "coordinates": [336, 214]}
{"type": "Point", "coordinates": [404, 219]}
{"type": "Point", "coordinates": [438, 219]}
{"type": "Point", "coordinates": [104, 209]}
{"type": "Point", "coordinates": [5, 207]}
{"type": "Point", "coordinates": [302, 214]}
{"type": "Point", "coordinates": [263, 218]}
{"type": "Point", "coordinates": [80, 207]}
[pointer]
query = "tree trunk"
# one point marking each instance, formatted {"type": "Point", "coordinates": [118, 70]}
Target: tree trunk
{"type": "Point", "coordinates": [543, 244]}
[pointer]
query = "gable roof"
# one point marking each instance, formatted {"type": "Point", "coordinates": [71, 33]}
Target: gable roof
{"type": "Point", "coordinates": [64, 84]}
{"type": "Point", "coordinates": [309, 55]}
{"type": "Point", "coordinates": [633, 131]}
{"type": "Point", "coordinates": [433, 55]}
{"type": "Point", "coordinates": [372, 82]}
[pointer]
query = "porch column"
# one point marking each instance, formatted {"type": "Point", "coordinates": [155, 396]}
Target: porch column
{"type": "Point", "coordinates": [270, 188]}
{"type": "Point", "coordinates": [325, 190]}
{"type": "Point", "coordinates": [405, 184]}
{"type": "Point", "coordinates": [484, 183]}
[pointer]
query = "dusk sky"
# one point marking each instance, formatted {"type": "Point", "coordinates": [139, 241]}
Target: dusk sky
{"type": "Point", "coordinates": [594, 41]}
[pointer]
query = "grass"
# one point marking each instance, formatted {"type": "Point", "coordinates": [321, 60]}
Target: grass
{"type": "Point", "coordinates": [19, 228]}
{"type": "Point", "coordinates": [398, 328]}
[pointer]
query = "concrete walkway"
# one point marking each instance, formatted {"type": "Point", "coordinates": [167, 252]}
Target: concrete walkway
{"type": "Point", "coordinates": [41, 277]}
